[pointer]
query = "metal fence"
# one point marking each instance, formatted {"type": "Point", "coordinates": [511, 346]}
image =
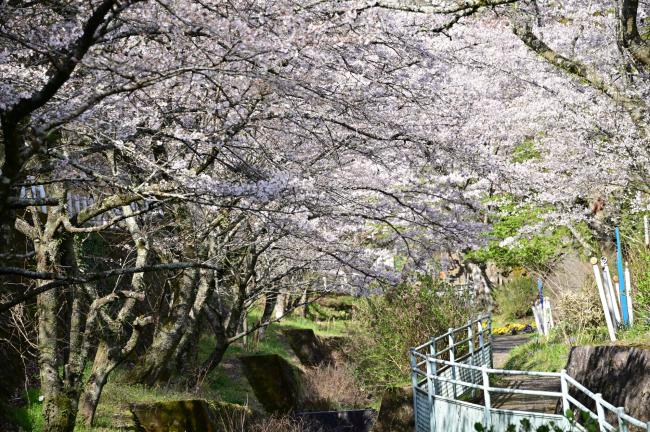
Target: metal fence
{"type": "Point", "coordinates": [452, 389]}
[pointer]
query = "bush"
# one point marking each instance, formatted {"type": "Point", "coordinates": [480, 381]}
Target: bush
{"type": "Point", "coordinates": [515, 299]}
{"type": "Point", "coordinates": [640, 275]}
{"type": "Point", "coordinates": [404, 317]}
{"type": "Point", "coordinates": [334, 387]}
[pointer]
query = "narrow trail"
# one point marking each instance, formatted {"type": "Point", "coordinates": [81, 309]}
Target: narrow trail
{"type": "Point", "coordinates": [501, 346]}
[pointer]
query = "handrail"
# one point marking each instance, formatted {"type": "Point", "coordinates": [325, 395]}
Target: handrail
{"type": "Point", "coordinates": [478, 361]}
{"type": "Point", "coordinates": [496, 371]}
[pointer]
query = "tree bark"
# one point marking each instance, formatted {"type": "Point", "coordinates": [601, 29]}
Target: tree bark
{"type": "Point", "coordinates": [104, 363]}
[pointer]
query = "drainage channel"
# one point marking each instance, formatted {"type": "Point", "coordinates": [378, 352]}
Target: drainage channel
{"type": "Point", "coordinates": [340, 421]}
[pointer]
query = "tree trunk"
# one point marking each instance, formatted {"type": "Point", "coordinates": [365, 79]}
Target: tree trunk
{"type": "Point", "coordinates": [103, 363]}
{"type": "Point", "coordinates": [154, 363]}
{"type": "Point", "coordinates": [59, 403]}
{"type": "Point", "coordinates": [94, 385]}
{"type": "Point", "coordinates": [213, 360]}
{"type": "Point", "coordinates": [269, 307]}
{"type": "Point", "coordinates": [280, 304]}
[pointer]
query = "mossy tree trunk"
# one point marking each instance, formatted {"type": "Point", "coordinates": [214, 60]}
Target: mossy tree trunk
{"type": "Point", "coordinates": [116, 344]}
{"type": "Point", "coordinates": [58, 378]}
{"type": "Point", "coordinates": [155, 364]}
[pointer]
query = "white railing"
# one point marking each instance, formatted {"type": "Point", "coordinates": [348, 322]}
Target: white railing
{"type": "Point", "coordinates": [460, 371]}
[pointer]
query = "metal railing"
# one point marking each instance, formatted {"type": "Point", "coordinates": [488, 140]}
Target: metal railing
{"type": "Point", "coordinates": [452, 371]}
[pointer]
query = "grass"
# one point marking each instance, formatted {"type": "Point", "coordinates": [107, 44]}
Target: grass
{"type": "Point", "coordinates": [230, 386]}
{"type": "Point", "coordinates": [29, 416]}
{"type": "Point", "coordinates": [637, 336]}
{"type": "Point", "coordinates": [551, 354]}
{"type": "Point", "coordinates": [538, 355]}
{"type": "Point", "coordinates": [225, 383]}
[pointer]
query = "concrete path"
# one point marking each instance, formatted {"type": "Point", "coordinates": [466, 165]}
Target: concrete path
{"type": "Point", "coordinates": [501, 346]}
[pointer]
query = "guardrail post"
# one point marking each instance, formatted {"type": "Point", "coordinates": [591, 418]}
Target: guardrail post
{"type": "Point", "coordinates": [434, 366]}
{"type": "Point", "coordinates": [565, 392]}
{"type": "Point", "coordinates": [489, 327]}
{"type": "Point", "coordinates": [487, 404]}
{"type": "Point", "coordinates": [414, 383]}
{"type": "Point", "coordinates": [452, 359]}
{"type": "Point", "coordinates": [470, 336]}
{"type": "Point", "coordinates": [481, 342]}
{"type": "Point", "coordinates": [430, 394]}
{"type": "Point", "coordinates": [622, 425]}
{"type": "Point", "coordinates": [598, 397]}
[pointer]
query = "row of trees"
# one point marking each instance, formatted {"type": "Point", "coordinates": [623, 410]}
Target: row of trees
{"type": "Point", "coordinates": [228, 152]}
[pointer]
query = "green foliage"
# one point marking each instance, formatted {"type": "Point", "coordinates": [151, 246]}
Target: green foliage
{"type": "Point", "coordinates": [404, 317]}
{"type": "Point", "coordinates": [30, 416]}
{"type": "Point", "coordinates": [640, 270]}
{"type": "Point", "coordinates": [539, 355]}
{"type": "Point", "coordinates": [525, 151]}
{"type": "Point", "coordinates": [587, 423]}
{"type": "Point", "coordinates": [528, 251]}
{"type": "Point", "coordinates": [514, 300]}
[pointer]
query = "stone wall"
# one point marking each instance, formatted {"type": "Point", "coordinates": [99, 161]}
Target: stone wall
{"type": "Point", "coordinates": [620, 373]}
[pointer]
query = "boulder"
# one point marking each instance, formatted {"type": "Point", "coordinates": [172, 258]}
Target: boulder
{"type": "Point", "coordinates": [195, 415]}
{"type": "Point", "coordinates": [314, 350]}
{"type": "Point", "coordinates": [396, 411]}
{"type": "Point", "coordinates": [620, 373]}
{"type": "Point", "coordinates": [307, 346]}
{"type": "Point", "coordinates": [275, 382]}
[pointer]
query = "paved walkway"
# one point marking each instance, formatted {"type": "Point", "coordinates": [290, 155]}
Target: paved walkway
{"type": "Point", "coordinates": [501, 346]}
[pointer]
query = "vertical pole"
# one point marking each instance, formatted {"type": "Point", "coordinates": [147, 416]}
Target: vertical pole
{"type": "Point", "coordinates": [452, 359]}
{"type": "Point", "coordinates": [612, 294]}
{"type": "Point", "coordinates": [481, 343]}
{"type": "Point", "coordinates": [646, 231]}
{"type": "Point", "coordinates": [628, 292]}
{"type": "Point", "coordinates": [621, 278]}
{"type": "Point", "coordinates": [565, 392]}
{"type": "Point", "coordinates": [542, 316]}
{"type": "Point", "coordinates": [603, 300]}
{"type": "Point", "coordinates": [434, 366]}
{"type": "Point", "coordinates": [551, 323]}
{"type": "Point", "coordinates": [431, 398]}
{"type": "Point", "coordinates": [622, 425]}
{"type": "Point", "coordinates": [538, 320]}
{"type": "Point", "coordinates": [489, 326]}
{"type": "Point", "coordinates": [487, 404]}
{"type": "Point", "coordinates": [470, 336]}
{"type": "Point", "coordinates": [414, 384]}
{"type": "Point", "coordinates": [598, 397]}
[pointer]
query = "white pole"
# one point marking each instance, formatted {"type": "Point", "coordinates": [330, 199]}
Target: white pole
{"type": "Point", "coordinates": [646, 231]}
{"type": "Point", "coordinates": [628, 292]}
{"type": "Point", "coordinates": [608, 298]}
{"type": "Point", "coordinates": [603, 300]}
{"type": "Point", "coordinates": [549, 315]}
{"type": "Point", "coordinates": [612, 295]}
{"type": "Point", "coordinates": [538, 321]}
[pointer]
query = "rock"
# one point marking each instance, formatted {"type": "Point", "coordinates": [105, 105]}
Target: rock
{"type": "Point", "coordinates": [334, 348]}
{"type": "Point", "coordinates": [306, 345]}
{"type": "Point", "coordinates": [620, 373]}
{"type": "Point", "coordinates": [275, 382]}
{"type": "Point", "coordinates": [313, 350]}
{"type": "Point", "coordinates": [187, 416]}
{"type": "Point", "coordinates": [396, 411]}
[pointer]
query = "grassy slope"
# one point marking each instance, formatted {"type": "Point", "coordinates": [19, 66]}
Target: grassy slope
{"type": "Point", "coordinates": [224, 383]}
{"type": "Point", "coordinates": [551, 354]}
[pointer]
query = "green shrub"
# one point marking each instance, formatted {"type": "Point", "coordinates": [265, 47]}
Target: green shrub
{"type": "Point", "coordinates": [515, 299]}
{"type": "Point", "coordinates": [404, 317]}
{"type": "Point", "coordinates": [640, 272]}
